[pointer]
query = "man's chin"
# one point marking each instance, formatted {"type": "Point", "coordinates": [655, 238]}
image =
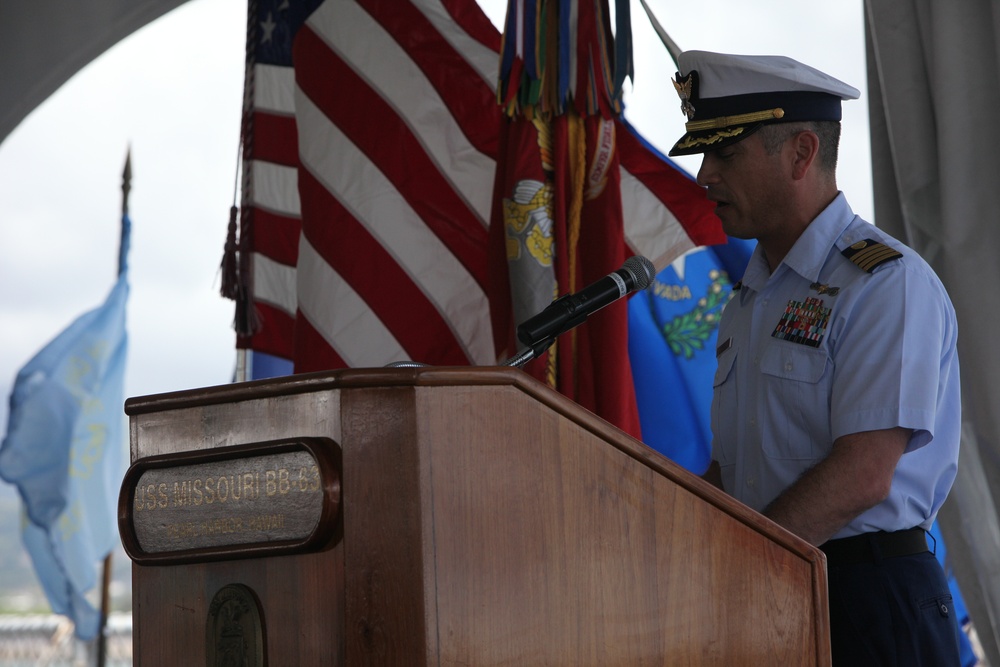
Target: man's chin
{"type": "Point", "coordinates": [730, 223]}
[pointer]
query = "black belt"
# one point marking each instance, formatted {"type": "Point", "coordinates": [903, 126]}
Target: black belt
{"type": "Point", "coordinates": [873, 547]}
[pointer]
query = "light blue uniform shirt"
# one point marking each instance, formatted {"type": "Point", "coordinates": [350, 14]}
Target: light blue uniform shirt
{"type": "Point", "coordinates": [822, 348]}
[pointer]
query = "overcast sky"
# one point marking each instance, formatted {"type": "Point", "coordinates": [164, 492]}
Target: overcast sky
{"type": "Point", "coordinates": [173, 92]}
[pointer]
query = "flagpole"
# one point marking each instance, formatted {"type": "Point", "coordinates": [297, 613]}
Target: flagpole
{"type": "Point", "coordinates": [102, 640]}
{"type": "Point", "coordinates": [126, 188]}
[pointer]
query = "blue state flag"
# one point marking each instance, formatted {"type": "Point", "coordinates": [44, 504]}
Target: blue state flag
{"type": "Point", "coordinates": [262, 365]}
{"type": "Point", "coordinates": [673, 327]}
{"type": "Point", "coordinates": [64, 451]}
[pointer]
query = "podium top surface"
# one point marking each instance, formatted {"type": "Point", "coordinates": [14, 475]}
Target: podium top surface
{"type": "Point", "coordinates": [347, 378]}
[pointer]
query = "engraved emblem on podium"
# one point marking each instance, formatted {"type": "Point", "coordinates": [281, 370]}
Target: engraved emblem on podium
{"type": "Point", "coordinates": [234, 631]}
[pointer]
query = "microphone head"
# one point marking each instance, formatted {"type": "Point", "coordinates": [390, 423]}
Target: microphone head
{"type": "Point", "coordinates": [641, 270]}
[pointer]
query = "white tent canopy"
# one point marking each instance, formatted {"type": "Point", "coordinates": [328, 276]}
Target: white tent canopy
{"type": "Point", "coordinates": [45, 42]}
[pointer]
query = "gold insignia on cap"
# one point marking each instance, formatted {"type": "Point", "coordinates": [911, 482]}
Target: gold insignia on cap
{"type": "Point", "coordinates": [685, 90]}
{"type": "Point", "coordinates": [690, 141]}
{"type": "Point", "coordinates": [729, 121]}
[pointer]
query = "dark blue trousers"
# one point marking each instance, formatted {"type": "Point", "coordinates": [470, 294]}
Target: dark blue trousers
{"type": "Point", "coordinates": [893, 612]}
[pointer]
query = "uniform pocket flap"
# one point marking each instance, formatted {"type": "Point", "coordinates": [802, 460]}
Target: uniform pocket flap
{"type": "Point", "coordinates": [794, 362]}
{"type": "Point", "coordinates": [725, 367]}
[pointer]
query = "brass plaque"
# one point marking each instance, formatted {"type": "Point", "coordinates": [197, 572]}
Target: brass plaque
{"type": "Point", "coordinates": [232, 501]}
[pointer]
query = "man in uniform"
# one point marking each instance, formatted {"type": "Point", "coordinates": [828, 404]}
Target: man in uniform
{"type": "Point", "coordinates": [836, 409]}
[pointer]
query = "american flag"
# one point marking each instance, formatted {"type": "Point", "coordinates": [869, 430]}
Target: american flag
{"type": "Point", "coordinates": [369, 184]}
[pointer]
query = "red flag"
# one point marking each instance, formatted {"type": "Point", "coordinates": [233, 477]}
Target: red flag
{"type": "Point", "coordinates": [558, 227]}
{"type": "Point", "coordinates": [563, 98]}
{"type": "Point", "coordinates": [369, 188]}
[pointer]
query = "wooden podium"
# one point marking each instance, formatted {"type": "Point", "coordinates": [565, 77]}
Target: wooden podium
{"type": "Point", "coordinates": [471, 516]}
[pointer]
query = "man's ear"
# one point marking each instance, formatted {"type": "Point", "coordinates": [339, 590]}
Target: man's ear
{"type": "Point", "coordinates": [805, 145]}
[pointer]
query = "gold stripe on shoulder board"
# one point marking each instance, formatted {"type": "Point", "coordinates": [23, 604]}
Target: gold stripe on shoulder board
{"type": "Point", "coordinates": [870, 253]}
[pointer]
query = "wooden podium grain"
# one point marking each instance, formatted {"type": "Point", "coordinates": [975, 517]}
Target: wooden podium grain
{"type": "Point", "coordinates": [484, 520]}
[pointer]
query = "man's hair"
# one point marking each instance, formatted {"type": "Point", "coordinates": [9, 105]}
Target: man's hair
{"type": "Point", "coordinates": [774, 135]}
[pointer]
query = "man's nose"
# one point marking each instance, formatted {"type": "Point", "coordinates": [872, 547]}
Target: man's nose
{"type": "Point", "coordinates": [707, 174]}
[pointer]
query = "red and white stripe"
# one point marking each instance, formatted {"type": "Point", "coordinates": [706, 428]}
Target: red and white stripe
{"type": "Point", "coordinates": [391, 184]}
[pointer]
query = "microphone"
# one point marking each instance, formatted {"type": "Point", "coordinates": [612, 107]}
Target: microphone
{"type": "Point", "coordinates": [570, 310]}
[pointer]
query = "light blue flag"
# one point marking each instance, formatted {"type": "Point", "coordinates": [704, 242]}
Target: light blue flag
{"type": "Point", "coordinates": [64, 451]}
{"type": "Point", "coordinates": [672, 331]}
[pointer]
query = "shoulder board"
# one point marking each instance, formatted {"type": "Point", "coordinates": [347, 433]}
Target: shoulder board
{"type": "Point", "coordinates": [870, 253]}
